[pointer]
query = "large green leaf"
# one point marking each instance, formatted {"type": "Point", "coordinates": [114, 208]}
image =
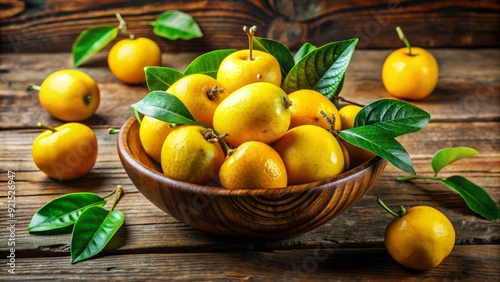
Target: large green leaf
{"type": "Point", "coordinates": [278, 50]}
{"type": "Point", "coordinates": [62, 212]}
{"type": "Point", "coordinates": [305, 49]}
{"type": "Point", "coordinates": [447, 156]}
{"type": "Point", "coordinates": [475, 197]}
{"type": "Point", "coordinates": [92, 232]}
{"type": "Point", "coordinates": [395, 117]}
{"type": "Point", "coordinates": [322, 69]}
{"type": "Point", "coordinates": [176, 24]}
{"type": "Point", "coordinates": [160, 78]}
{"type": "Point", "coordinates": [208, 63]}
{"type": "Point", "coordinates": [91, 41]}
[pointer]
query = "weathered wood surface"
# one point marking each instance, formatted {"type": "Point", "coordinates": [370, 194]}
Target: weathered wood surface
{"type": "Point", "coordinates": [52, 25]}
{"type": "Point", "coordinates": [152, 245]}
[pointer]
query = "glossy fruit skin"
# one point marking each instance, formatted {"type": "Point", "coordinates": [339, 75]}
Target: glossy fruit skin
{"type": "Point", "coordinates": [348, 115]}
{"type": "Point", "coordinates": [187, 156]}
{"type": "Point", "coordinates": [69, 95]}
{"type": "Point", "coordinates": [310, 153]}
{"type": "Point", "coordinates": [128, 57]}
{"type": "Point", "coordinates": [201, 94]}
{"type": "Point", "coordinates": [410, 77]}
{"type": "Point", "coordinates": [421, 239]}
{"type": "Point", "coordinates": [253, 165]}
{"type": "Point", "coordinates": [237, 70]}
{"type": "Point", "coordinates": [307, 106]}
{"type": "Point", "coordinates": [255, 112]}
{"type": "Point", "coordinates": [68, 153]}
{"type": "Point", "coordinates": [152, 134]}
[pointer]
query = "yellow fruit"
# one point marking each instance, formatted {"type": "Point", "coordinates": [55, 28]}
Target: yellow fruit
{"type": "Point", "coordinates": [201, 94]}
{"type": "Point", "coordinates": [253, 165]}
{"type": "Point", "coordinates": [357, 155]}
{"type": "Point", "coordinates": [348, 115]}
{"type": "Point", "coordinates": [347, 158]}
{"type": "Point", "coordinates": [421, 238]}
{"type": "Point", "coordinates": [152, 134]}
{"type": "Point", "coordinates": [310, 153]}
{"type": "Point", "coordinates": [69, 95]}
{"type": "Point", "coordinates": [192, 155]}
{"type": "Point", "coordinates": [306, 108]}
{"type": "Point", "coordinates": [128, 57]}
{"type": "Point", "coordinates": [255, 112]}
{"type": "Point", "coordinates": [66, 152]}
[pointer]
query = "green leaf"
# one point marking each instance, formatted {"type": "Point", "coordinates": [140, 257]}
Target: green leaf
{"type": "Point", "coordinates": [447, 156]}
{"type": "Point", "coordinates": [394, 117]}
{"type": "Point", "coordinates": [208, 63]}
{"type": "Point", "coordinates": [176, 25]}
{"type": "Point", "coordinates": [370, 138]}
{"type": "Point", "coordinates": [62, 212]}
{"type": "Point", "coordinates": [278, 50]}
{"type": "Point", "coordinates": [91, 41]}
{"type": "Point", "coordinates": [160, 78]}
{"type": "Point", "coordinates": [475, 197]}
{"type": "Point", "coordinates": [303, 51]}
{"type": "Point", "coordinates": [166, 107]}
{"type": "Point", "coordinates": [92, 232]}
{"type": "Point", "coordinates": [322, 69]}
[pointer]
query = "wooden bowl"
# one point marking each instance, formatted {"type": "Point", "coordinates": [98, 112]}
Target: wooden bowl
{"type": "Point", "coordinates": [248, 213]}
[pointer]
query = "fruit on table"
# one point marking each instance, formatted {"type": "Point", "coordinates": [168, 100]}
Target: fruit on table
{"type": "Point", "coordinates": [201, 94]}
{"type": "Point", "coordinates": [69, 95]}
{"type": "Point", "coordinates": [65, 152]}
{"type": "Point", "coordinates": [152, 134]}
{"type": "Point", "coordinates": [306, 107]}
{"type": "Point", "coordinates": [410, 73]}
{"type": "Point", "coordinates": [192, 153]}
{"type": "Point", "coordinates": [254, 112]}
{"type": "Point", "coordinates": [419, 238]}
{"type": "Point", "coordinates": [348, 115]}
{"type": "Point", "coordinates": [128, 57]}
{"type": "Point", "coordinates": [310, 153]}
{"type": "Point", "coordinates": [247, 66]}
{"type": "Point", "coordinates": [253, 165]}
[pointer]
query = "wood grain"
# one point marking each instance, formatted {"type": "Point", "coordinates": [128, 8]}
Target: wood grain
{"type": "Point", "coordinates": [53, 25]}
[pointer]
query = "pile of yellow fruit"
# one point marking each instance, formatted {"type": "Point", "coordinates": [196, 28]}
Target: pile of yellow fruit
{"type": "Point", "coordinates": [257, 136]}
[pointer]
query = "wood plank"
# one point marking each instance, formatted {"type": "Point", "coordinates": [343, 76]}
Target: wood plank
{"type": "Point", "coordinates": [465, 263]}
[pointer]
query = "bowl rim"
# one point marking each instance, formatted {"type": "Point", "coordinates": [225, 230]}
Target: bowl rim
{"type": "Point", "coordinates": [127, 156]}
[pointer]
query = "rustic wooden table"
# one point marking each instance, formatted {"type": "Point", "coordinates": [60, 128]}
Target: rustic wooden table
{"type": "Point", "coordinates": [152, 245]}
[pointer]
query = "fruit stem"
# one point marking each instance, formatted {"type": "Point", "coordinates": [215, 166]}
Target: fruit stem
{"type": "Point", "coordinates": [33, 87]}
{"type": "Point", "coordinates": [87, 99]}
{"type": "Point", "coordinates": [250, 32]}
{"type": "Point", "coordinates": [119, 192]}
{"type": "Point", "coordinates": [342, 99]}
{"type": "Point", "coordinates": [404, 39]}
{"type": "Point", "coordinates": [402, 210]}
{"type": "Point", "coordinates": [123, 26]}
{"type": "Point", "coordinates": [113, 131]}
{"type": "Point", "coordinates": [48, 127]}
{"type": "Point", "coordinates": [331, 123]}
{"type": "Point", "coordinates": [403, 179]}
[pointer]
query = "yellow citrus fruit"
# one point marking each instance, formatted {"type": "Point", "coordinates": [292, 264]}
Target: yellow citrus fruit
{"type": "Point", "coordinates": [412, 77]}
{"type": "Point", "coordinates": [238, 69]}
{"type": "Point", "coordinates": [69, 95]}
{"type": "Point", "coordinates": [306, 108]}
{"type": "Point", "coordinates": [192, 154]}
{"type": "Point", "coordinates": [201, 94]}
{"type": "Point", "coordinates": [128, 57]}
{"type": "Point", "coordinates": [253, 165]}
{"type": "Point", "coordinates": [255, 112]}
{"type": "Point", "coordinates": [65, 152]}
{"type": "Point", "coordinates": [347, 158]}
{"type": "Point", "coordinates": [357, 155]}
{"type": "Point", "coordinates": [152, 134]}
{"type": "Point", "coordinates": [348, 115]}
{"type": "Point", "coordinates": [310, 153]}
{"type": "Point", "coordinates": [421, 238]}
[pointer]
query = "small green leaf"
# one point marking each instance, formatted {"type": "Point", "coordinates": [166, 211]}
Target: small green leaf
{"type": "Point", "coordinates": [395, 117]}
{"type": "Point", "coordinates": [303, 51]}
{"type": "Point", "coordinates": [91, 41]}
{"type": "Point", "coordinates": [322, 69]}
{"type": "Point", "coordinates": [277, 50]}
{"type": "Point", "coordinates": [208, 63]}
{"type": "Point", "coordinates": [370, 138]}
{"type": "Point", "coordinates": [176, 24]}
{"type": "Point", "coordinates": [92, 232]}
{"type": "Point", "coordinates": [160, 78]}
{"type": "Point", "coordinates": [475, 197]}
{"type": "Point", "coordinates": [447, 156]}
{"type": "Point", "coordinates": [166, 107]}
{"type": "Point", "coordinates": [62, 212]}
